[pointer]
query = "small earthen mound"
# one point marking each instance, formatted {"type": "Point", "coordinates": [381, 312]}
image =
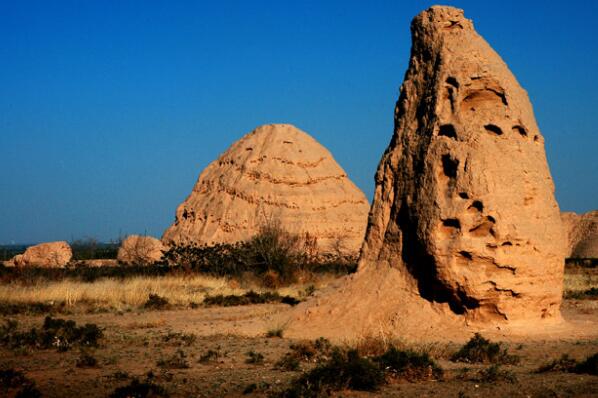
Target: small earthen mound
{"type": "Point", "coordinates": [464, 227]}
{"type": "Point", "coordinates": [49, 254]}
{"type": "Point", "coordinates": [140, 250]}
{"type": "Point", "coordinates": [582, 234]}
{"type": "Point", "coordinates": [276, 172]}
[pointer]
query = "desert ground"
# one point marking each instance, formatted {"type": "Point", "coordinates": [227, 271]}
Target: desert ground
{"type": "Point", "coordinates": [179, 345]}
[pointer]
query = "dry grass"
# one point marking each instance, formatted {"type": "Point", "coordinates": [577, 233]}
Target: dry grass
{"type": "Point", "coordinates": [121, 294]}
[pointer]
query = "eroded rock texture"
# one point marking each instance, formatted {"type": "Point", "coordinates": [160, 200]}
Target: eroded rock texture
{"type": "Point", "coordinates": [464, 200]}
{"type": "Point", "coordinates": [49, 254]}
{"type": "Point", "coordinates": [276, 172]}
{"type": "Point", "coordinates": [140, 250]}
{"type": "Point", "coordinates": [464, 224]}
{"type": "Point", "coordinates": [582, 234]}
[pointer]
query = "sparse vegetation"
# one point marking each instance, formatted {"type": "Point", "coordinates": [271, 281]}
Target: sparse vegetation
{"type": "Point", "coordinates": [178, 360]}
{"type": "Point", "coordinates": [138, 389]}
{"type": "Point", "coordinates": [276, 332]}
{"type": "Point", "coordinates": [15, 383]}
{"type": "Point", "coordinates": [495, 373]}
{"type": "Point", "coordinates": [563, 364]}
{"type": "Point", "coordinates": [347, 368]}
{"type": "Point", "coordinates": [481, 350]}
{"type": "Point", "coordinates": [86, 360]}
{"type": "Point", "coordinates": [254, 358]}
{"type": "Point", "coordinates": [155, 302]}
{"type": "Point", "coordinates": [589, 365]}
{"type": "Point", "coordinates": [248, 298]}
{"type": "Point", "coordinates": [591, 294]}
{"type": "Point", "coordinates": [209, 356]}
{"type": "Point", "coordinates": [409, 365]}
{"type": "Point", "coordinates": [56, 333]}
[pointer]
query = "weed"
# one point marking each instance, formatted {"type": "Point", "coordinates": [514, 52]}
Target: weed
{"type": "Point", "coordinates": [288, 362]}
{"type": "Point", "coordinates": [86, 360]}
{"type": "Point", "coordinates": [589, 366]}
{"type": "Point", "coordinates": [208, 356]}
{"type": "Point", "coordinates": [495, 373]}
{"type": "Point", "coordinates": [276, 332]}
{"type": "Point", "coordinates": [409, 365]}
{"type": "Point", "coordinates": [255, 358]}
{"type": "Point", "coordinates": [312, 351]}
{"type": "Point", "coordinates": [137, 389]}
{"type": "Point", "coordinates": [248, 298]}
{"type": "Point", "coordinates": [563, 364]}
{"type": "Point", "coordinates": [591, 293]}
{"type": "Point", "coordinates": [481, 350]}
{"type": "Point", "coordinates": [256, 387]}
{"type": "Point", "coordinates": [56, 333]}
{"type": "Point", "coordinates": [343, 370]}
{"type": "Point", "coordinates": [186, 339]}
{"type": "Point", "coordinates": [11, 379]}
{"type": "Point", "coordinates": [178, 360]}
{"type": "Point", "coordinates": [155, 302]}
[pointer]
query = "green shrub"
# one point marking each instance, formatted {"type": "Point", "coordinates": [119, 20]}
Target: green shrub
{"type": "Point", "coordinates": [481, 350]}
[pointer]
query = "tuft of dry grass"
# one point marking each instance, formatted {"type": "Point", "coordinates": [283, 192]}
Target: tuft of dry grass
{"type": "Point", "coordinates": [579, 280]}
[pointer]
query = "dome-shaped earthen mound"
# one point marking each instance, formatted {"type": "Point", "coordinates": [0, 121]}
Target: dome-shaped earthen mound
{"type": "Point", "coordinates": [464, 227]}
{"type": "Point", "coordinates": [276, 172]}
{"type": "Point", "coordinates": [582, 234]}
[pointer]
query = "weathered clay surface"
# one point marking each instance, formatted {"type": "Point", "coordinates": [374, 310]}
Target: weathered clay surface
{"type": "Point", "coordinates": [49, 254]}
{"type": "Point", "coordinates": [464, 226]}
{"type": "Point", "coordinates": [276, 172]}
{"type": "Point", "coordinates": [582, 234]}
{"type": "Point", "coordinates": [140, 250]}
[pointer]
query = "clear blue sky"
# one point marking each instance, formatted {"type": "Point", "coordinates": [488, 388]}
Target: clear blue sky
{"type": "Point", "coordinates": [109, 110]}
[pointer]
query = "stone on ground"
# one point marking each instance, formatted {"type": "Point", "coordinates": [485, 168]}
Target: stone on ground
{"type": "Point", "coordinates": [140, 250]}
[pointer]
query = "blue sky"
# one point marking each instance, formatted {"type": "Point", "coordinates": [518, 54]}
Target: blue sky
{"type": "Point", "coordinates": [109, 110]}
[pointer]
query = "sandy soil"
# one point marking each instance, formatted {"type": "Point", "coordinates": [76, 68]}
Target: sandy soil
{"type": "Point", "coordinates": [135, 342]}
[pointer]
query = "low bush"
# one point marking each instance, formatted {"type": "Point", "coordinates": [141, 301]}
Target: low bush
{"type": "Point", "coordinates": [495, 373]}
{"type": "Point", "coordinates": [589, 294]}
{"type": "Point", "coordinates": [138, 389]}
{"type": "Point", "coordinates": [178, 360]}
{"type": "Point", "coordinates": [347, 369]}
{"type": "Point", "coordinates": [186, 339]}
{"type": "Point", "coordinates": [481, 350]}
{"type": "Point", "coordinates": [155, 302]}
{"type": "Point", "coordinates": [248, 298]}
{"type": "Point", "coordinates": [254, 358]}
{"type": "Point", "coordinates": [276, 332]}
{"type": "Point", "coordinates": [56, 333]}
{"type": "Point", "coordinates": [15, 383]}
{"type": "Point", "coordinates": [86, 360]}
{"type": "Point", "coordinates": [208, 356]}
{"type": "Point", "coordinates": [589, 366]}
{"type": "Point", "coordinates": [409, 365]}
{"type": "Point", "coordinates": [563, 364]}
{"type": "Point", "coordinates": [35, 308]}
